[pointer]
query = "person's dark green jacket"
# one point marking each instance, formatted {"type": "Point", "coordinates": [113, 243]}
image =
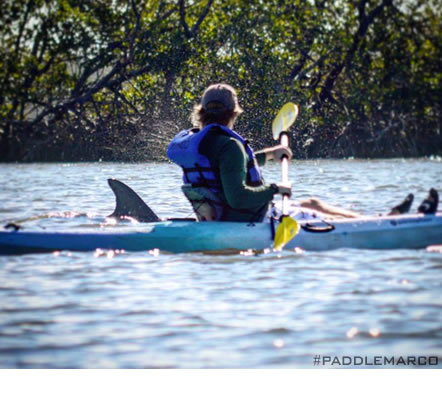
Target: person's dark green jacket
{"type": "Point", "coordinates": [229, 158]}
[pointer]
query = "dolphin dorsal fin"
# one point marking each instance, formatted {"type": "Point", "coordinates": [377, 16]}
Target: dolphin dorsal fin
{"type": "Point", "coordinates": [129, 204]}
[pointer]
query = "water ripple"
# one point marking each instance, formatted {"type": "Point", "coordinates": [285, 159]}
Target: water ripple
{"type": "Point", "coordinates": [249, 310]}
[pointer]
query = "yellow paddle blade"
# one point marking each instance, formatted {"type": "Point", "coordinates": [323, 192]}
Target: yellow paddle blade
{"type": "Point", "coordinates": [286, 231]}
{"type": "Point", "coordinates": [284, 119]}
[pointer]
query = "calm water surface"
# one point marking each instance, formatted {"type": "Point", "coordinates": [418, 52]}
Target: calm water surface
{"type": "Point", "coordinates": [155, 310]}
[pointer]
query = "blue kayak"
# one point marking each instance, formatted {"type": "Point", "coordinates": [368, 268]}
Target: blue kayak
{"type": "Point", "coordinates": [179, 236]}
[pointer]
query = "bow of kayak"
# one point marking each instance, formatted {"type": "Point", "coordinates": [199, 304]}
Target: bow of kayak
{"type": "Point", "coordinates": [171, 236]}
{"type": "Point", "coordinates": [410, 231]}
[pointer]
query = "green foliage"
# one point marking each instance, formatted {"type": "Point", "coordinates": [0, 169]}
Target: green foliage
{"type": "Point", "coordinates": [90, 79]}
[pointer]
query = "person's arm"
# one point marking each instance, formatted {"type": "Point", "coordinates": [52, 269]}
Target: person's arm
{"type": "Point", "coordinates": [273, 153]}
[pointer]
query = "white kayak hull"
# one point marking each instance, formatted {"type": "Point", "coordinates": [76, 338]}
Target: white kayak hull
{"type": "Point", "coordinates": [178, 236]}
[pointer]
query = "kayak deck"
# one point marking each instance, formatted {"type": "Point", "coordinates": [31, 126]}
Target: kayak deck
{"type": "Point", "coordinates": [404, 231]}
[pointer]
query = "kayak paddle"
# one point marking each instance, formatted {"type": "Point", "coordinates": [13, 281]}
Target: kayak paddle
{"type": "Point", "coordinates": [288, 227]}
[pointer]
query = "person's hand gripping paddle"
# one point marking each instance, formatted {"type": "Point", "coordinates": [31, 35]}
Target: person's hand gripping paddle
{"type": "Point", "coordinates": [288, 227]}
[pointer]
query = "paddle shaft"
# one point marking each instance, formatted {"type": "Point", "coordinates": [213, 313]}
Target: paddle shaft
{"type": "Point", "coordinates": [288, 227]}
{"type": "Point", "coordinates": [284, 138]}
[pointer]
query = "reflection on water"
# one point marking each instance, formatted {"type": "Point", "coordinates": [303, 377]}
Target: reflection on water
{"type": "Point", "coordinates": [121, 309]}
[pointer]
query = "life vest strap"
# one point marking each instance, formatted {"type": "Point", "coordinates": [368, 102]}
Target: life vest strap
{"type": "Point", "coordinates": [203, 180]}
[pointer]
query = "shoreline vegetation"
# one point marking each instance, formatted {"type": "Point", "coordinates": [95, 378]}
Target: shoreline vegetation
{"type": "Point", "coordinates": [115, 81]}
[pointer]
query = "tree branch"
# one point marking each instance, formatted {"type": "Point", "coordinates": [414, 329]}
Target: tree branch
{"type": "Point", "coordinates": [201, 18]}
{"type": "Point", "coordinates": [190, 33]}
{"type": "Point", "coordinates": [183, 19]}
{"type": "Point", "coordinates": [364, 23]}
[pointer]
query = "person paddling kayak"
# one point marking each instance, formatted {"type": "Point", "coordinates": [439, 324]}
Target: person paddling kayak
{"type": "Point", "coordinates": [221, 173]}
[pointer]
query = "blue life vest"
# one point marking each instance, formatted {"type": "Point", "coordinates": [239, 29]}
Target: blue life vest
{"type": "Point", "coordinates": [198, 171]}
{"type": "Point", "coordinates": [202, 183]}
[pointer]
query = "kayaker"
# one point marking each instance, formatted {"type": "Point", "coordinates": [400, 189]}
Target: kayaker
{"type": "Point", "coordinates": [221, 173]}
